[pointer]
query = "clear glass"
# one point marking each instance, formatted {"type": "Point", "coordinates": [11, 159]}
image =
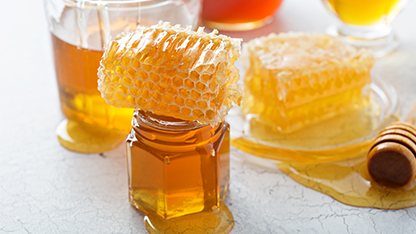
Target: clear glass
{"type": "Point", "coordinates": [80, 31]}
{"type": "Point", "coordinates": [366, 23]}
{"type": "Point", "coordinates": [177, 167]}
{"type": "Point", "coordinates": [238, 15]}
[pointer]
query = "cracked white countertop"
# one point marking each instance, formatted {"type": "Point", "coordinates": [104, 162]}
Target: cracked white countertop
{"type": "Point", "coordinates": [46, 189]}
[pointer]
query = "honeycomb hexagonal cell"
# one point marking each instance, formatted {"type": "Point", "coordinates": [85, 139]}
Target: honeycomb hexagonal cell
{"type": "Point", "coordinates": [172, 71]}
{"type": "Point", "coordinates": [296, 79]}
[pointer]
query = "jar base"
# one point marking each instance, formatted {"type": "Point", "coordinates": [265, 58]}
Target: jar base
{"type": "Point", "coordinates": [243, 26]}
{"type": "Point", "coordinates": [219, 220]}
{"type": "Point", "coordinates": [379, 46]}
{"type": "Point", "coordinates": [82, 138]}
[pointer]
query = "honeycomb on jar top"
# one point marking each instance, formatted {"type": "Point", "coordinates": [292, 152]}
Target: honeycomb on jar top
{"type": "Point", "coordinates": [296, 79]}
{"type": "Point", "coordinates": [172, 71]}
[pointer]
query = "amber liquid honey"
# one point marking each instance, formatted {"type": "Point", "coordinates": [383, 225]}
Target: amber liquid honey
{"type": "Point", "coordinates": [176, 167]}
{"type": "Point", "coordinates": [238, 14]}
{"type": "Point", "coordinates": [349, 182]}
{"type": "Point", "coordinates": [340, 172]}
{"type": "Point", "coordinates": [93, 125]}
{"type": "Point", "coordinates": [363, 12]}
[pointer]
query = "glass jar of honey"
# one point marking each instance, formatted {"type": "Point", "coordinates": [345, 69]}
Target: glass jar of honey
{"type": "Point", "coordinates": [238, 15]}
{"type": "Point", "coordinates": [176, 167]}
{"type": "Point", "coordinates": [80, 30]}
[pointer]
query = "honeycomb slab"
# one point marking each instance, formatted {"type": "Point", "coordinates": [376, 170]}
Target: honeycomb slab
{"type": "Point", "coordinates": [293, 80]}
{"type": "Point", "coordinates": [172, 71]}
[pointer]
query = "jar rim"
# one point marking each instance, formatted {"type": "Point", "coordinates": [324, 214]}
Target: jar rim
{"type": "Point", "coordinates": [164, 122]}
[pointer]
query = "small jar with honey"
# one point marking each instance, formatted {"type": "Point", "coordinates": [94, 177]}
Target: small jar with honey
{"type": "Point", "coordinates": [176, 167]}
{"type": "Point", "coordinates": [182, 84]}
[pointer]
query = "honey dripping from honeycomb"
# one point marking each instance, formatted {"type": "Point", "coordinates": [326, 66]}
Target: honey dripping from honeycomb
{"type": "Point", "coordinates": [172, 71]}
{"type": "Point", "coordinates": [182, 84]}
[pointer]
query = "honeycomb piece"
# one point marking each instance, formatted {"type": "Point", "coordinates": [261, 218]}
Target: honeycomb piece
{"type": "Point", "coordinates": [296, 79]}
{"type": "Point", "coordinates": [172, 71]}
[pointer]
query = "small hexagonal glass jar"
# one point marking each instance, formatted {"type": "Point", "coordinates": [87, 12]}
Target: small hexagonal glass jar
{"type": "Point", "coordinates": [177, 167]}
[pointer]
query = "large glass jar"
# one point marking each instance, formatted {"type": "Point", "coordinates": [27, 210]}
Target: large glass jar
{"type": "Point", "coordinates": [80, 30]}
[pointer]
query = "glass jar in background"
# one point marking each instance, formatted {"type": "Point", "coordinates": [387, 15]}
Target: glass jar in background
{"type": "Point", "coordinates": [238, 15]}
{"type": "Point", "coordinates": [366, 23]}
{"type": "Point", "coordinates": [80, 29]}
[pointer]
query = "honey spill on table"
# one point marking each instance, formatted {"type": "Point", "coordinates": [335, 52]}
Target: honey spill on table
{"type": "Point", "coordinates": [216, 221]}
{"type": "Point", "coordinates": [340, 171]}
{"type": "Point", "coordinates": [348, 181]}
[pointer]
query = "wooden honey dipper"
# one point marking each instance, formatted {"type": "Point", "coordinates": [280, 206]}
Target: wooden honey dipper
{"type": "Point", "coordinates": [391, 160]}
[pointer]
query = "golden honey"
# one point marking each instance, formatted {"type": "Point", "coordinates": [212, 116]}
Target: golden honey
{"type": "Point", "coordinates": [340, 172]}
{"type": "Point", "coordinates": [220, 220]}
{"type": "Point", "coordinates": [76, 70]}
{"type": "Point", "coordinates": [177, 167]}
{"type": "Point", "coordinates": [364, 12]}
{"type": "Point", "coordinates": [92, 124]}
{"type": "Point", "coordinates": [348, 181]}
{"type": "Point", "coordinates": [238, 14]}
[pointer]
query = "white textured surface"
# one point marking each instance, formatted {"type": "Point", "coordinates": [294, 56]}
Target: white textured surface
{"type": "Point", "coordinates": [46, 189]}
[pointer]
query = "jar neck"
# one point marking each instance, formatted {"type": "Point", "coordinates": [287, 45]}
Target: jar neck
{"type": "Point", "coordinates": [163, 122]}
{"type": "Point", "coordinates": [178, 135]}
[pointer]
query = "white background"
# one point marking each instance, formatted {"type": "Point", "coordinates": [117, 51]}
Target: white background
{"type": "Point", "coordinates": [46, 189]}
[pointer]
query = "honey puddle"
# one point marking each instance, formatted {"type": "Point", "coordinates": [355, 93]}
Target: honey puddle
{"type": "Point", "coordinates": [330, 157]}
{"type": "Point", "coordinates": [349, 182]}
{"type": "Point", "coordinates": [217, 221]}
